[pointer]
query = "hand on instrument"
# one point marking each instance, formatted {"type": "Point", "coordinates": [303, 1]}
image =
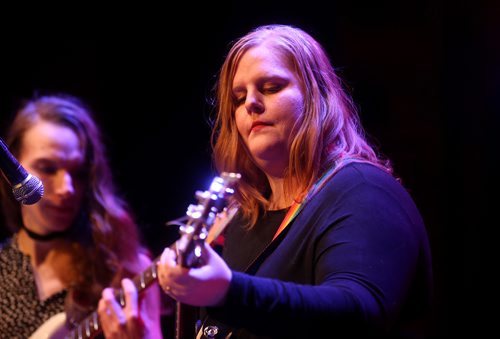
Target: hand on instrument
{"type": "Point", "coordinates": [197, 286]}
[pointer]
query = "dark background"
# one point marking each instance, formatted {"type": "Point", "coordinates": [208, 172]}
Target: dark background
{"type": "Point", "coordinates": [423, 73]}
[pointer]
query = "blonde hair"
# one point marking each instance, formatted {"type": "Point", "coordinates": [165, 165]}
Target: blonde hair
{"type": "Point", "coordinates": [328, 134]}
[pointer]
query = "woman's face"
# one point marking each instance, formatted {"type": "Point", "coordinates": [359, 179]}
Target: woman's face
{"type": "Point", "coordinates": [52, 153]}
{"type": "Point", "coordinates": [269, 101]}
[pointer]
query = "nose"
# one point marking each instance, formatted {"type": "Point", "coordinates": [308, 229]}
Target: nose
{"type": "Point", "coordinates": [64, 184]}
{"type": "Point", "coordinates": [254, 103]}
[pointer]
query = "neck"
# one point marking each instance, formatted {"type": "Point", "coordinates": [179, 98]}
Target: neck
{"type": "Point", "coordinates": [277, 200]}
{"type": "Point", "coordinates": [44, 237]}
{"type": "Point", "coordinates": [37, 249]}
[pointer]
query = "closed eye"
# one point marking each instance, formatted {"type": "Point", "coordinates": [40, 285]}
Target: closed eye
{"type": "Point", "coordinates": [271, 89]}
{"type": "Point", "coordinates": [239, 100]}
{"type": "Point", "coordinates": [45, 167]}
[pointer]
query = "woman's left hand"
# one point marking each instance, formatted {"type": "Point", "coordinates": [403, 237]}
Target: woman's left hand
{"type": "Point", "coordinates": [118, 322]}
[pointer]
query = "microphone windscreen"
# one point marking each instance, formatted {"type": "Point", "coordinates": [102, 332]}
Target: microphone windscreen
{"type": "Point", "coordinates": [29, 191]}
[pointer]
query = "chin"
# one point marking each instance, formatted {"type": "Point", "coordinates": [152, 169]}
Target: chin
{"type": "Point", "coordinates": [269, 154]}
{"type": "Point", "coordinates": [60, 224]}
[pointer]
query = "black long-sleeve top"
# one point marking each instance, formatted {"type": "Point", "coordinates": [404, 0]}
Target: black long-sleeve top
{"type": "Point", "coordinates": [355, 262]}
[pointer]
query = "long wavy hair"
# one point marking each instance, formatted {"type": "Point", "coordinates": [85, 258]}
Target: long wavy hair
{"type": "Point", "coordinates": [328, 133]}
{"type": "Point", "coordinates": [104, 239]}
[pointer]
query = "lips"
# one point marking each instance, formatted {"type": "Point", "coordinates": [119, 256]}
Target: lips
{"type": "Point", "coordinates": [257, 125]}
{"type": "Point", "coordinates": [61, 209]}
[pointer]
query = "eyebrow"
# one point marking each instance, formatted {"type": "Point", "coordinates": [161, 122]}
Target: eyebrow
{"type": "Point", "coordinates": [260, 80]}
{"type": "Point", "coordinates": [44, 161]}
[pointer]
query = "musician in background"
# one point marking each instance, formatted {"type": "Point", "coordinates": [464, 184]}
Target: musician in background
{"type": "Point", "coordinates": [78, 239]}
{"type": "Point", "coordinates": [327, 242]}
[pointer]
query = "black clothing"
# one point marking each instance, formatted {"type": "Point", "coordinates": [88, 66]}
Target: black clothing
{"type": "Point", "coordinates": [355, 262]}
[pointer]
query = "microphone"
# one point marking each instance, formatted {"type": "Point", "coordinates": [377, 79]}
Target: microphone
{"type": "Point", "coordinates": [27, 188]}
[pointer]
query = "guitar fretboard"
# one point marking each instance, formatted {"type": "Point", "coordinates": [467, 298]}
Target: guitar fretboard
{"type": "Point", "coordinates": [91, 327]}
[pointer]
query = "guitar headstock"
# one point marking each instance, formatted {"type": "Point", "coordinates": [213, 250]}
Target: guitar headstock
{"type": "Point", "coordinates": [202, 216]}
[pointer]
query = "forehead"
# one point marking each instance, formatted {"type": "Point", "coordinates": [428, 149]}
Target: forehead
{"type": "Point", "coordinates": [263, 59]}
{"type": "Point", "coordinates": [46, 138]}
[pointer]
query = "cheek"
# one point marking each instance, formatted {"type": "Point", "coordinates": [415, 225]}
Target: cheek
{"type": "Point", "coordinates": [291, 111]}
{"type": "Point", "coordinates": [241, 122]}
{"type": "Point", "coordinates": [34, 213]}
{"type": "Point", "coordinates": [296, 105]}
{"type": "Point", "coordinates": [47, 183]}
{"type": "Point", "coordinates": [27, 210]}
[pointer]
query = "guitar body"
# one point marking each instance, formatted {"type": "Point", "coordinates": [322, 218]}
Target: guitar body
{"type": "Point", "coordinates": [186, 317]}
{"type": "Point", "coordinates": [54, 328]}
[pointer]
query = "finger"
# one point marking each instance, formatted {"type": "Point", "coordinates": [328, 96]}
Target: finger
{"type": "Point", "coordinates": [131, 298]}
{"type": "Point", "coordinates": [102, 309]}
{"type": "Point", "coordinates": [135, 324]}
{"type": "Point", "coordinates": [105, 313]}
{"type": "Point", "coordinates": [168, 257]}
{"type": "Point", "coordinates": [209, 254]}
{"type": "Point", "coordinates": [166, 262]}
{"type": "Point", "coordinates": [113, 309]}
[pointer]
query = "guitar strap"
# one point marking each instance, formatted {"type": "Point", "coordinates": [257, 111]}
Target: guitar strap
{"type": "Point", "coordinates": [298, 205]}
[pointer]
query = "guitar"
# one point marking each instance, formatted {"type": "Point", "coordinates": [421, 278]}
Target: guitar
{"type": "Point", "coordinates": [195, 233]}
{"type": "Point", "coordinates": [195, 229]}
